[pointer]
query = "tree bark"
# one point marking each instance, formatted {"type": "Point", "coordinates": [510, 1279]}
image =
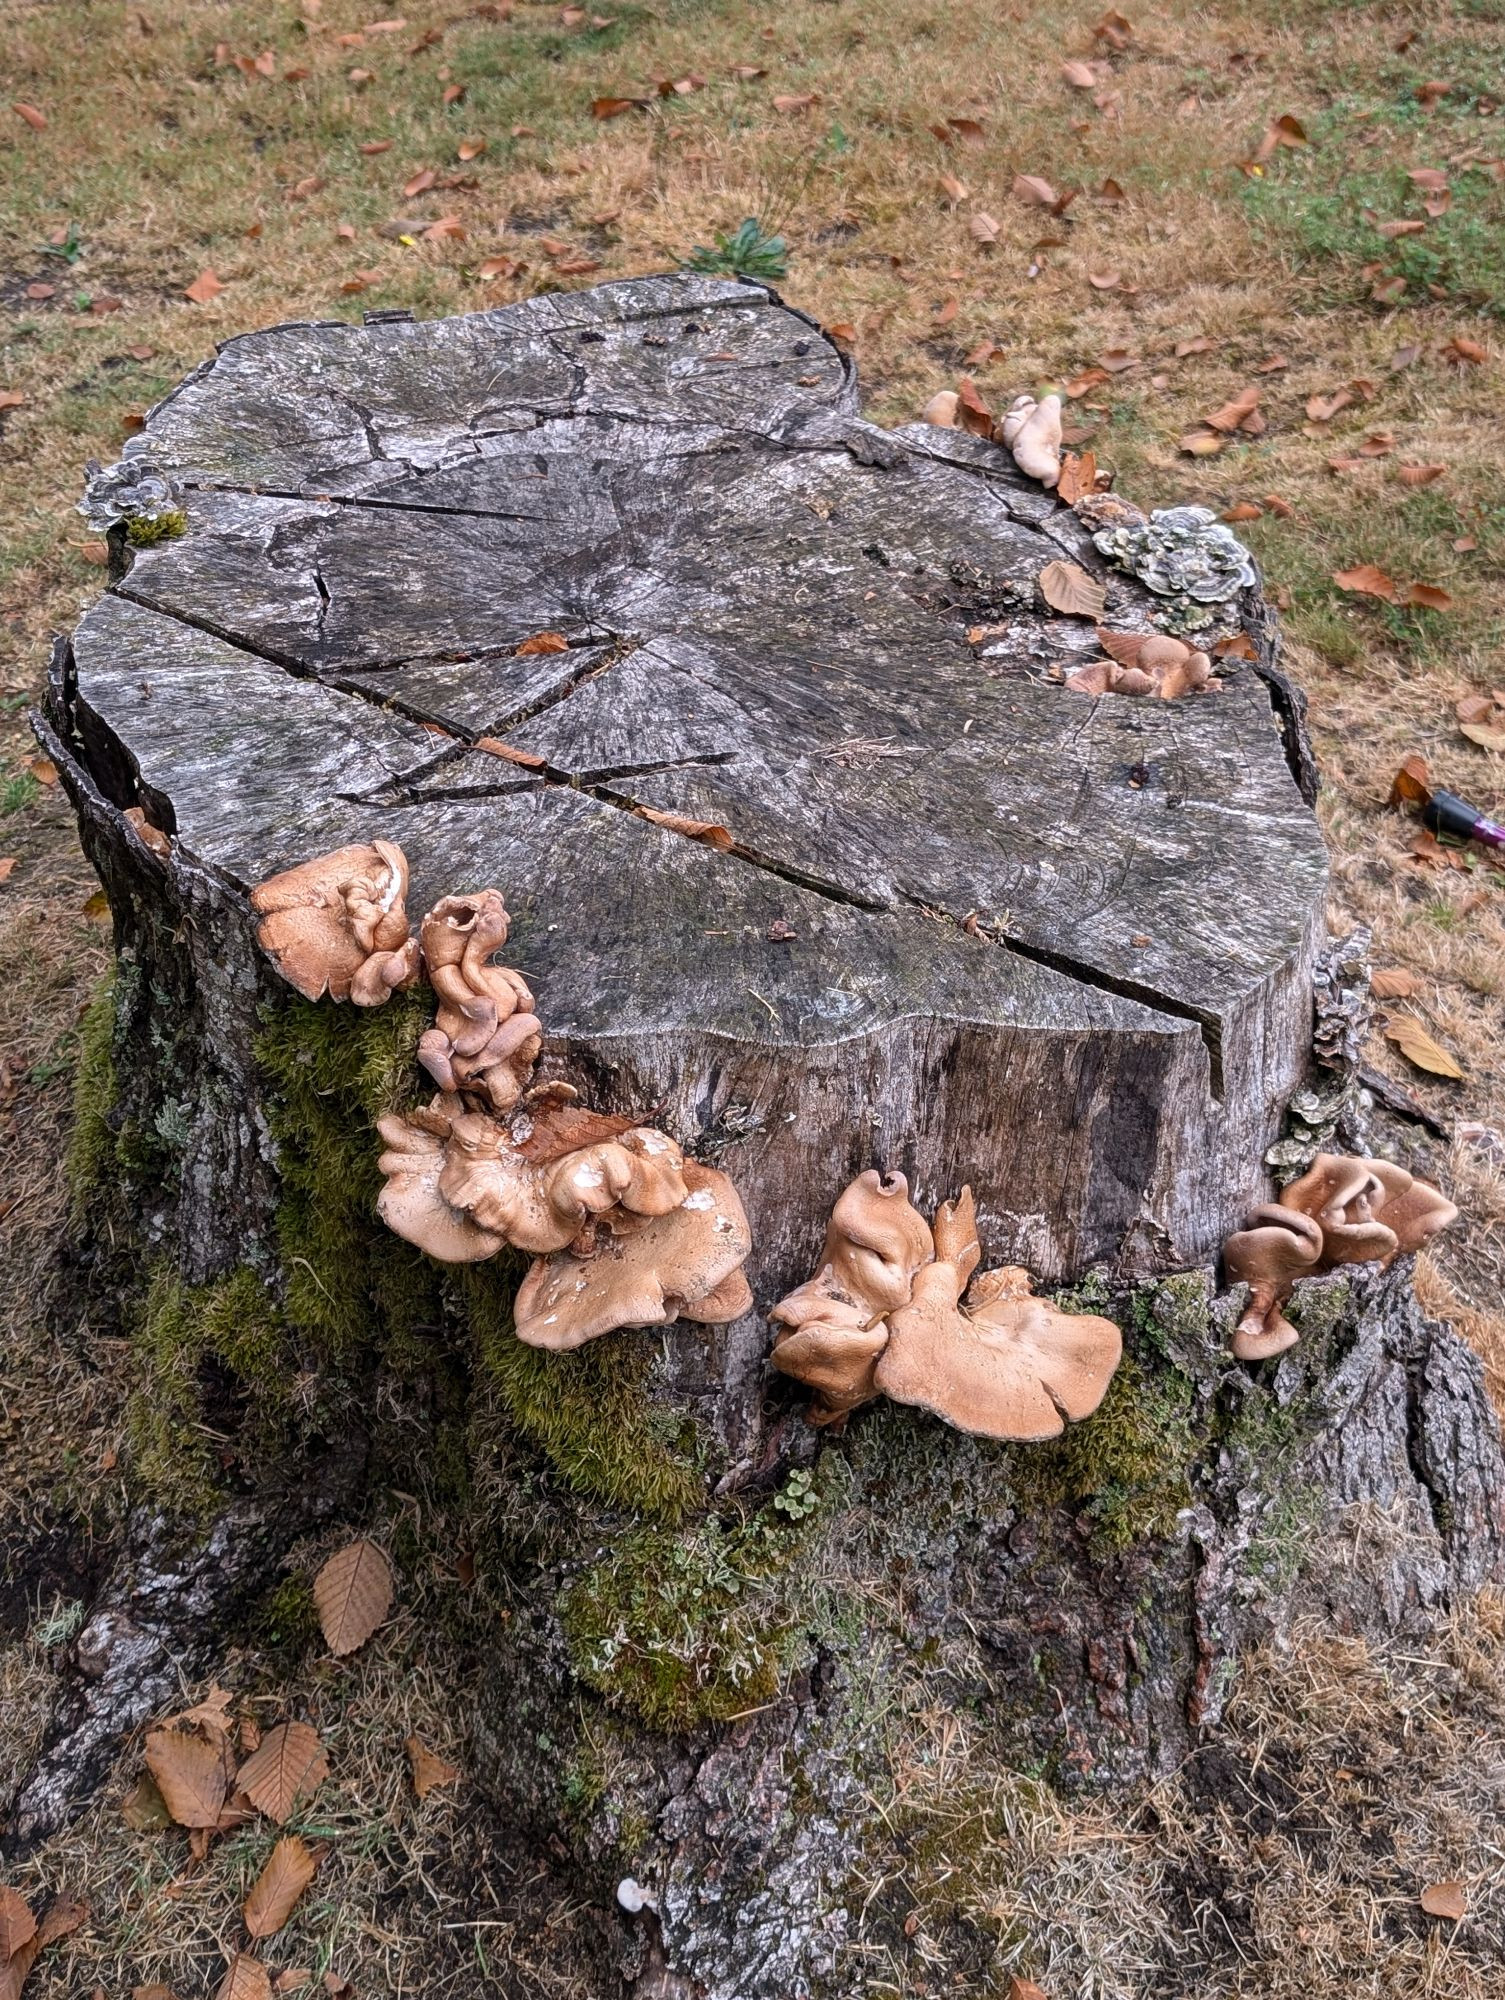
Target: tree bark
{"type": "Point", "coordinates": [961, 921]}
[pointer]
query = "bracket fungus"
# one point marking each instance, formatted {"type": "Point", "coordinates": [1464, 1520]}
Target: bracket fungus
{"type": "Point", "coordinates": [1032, 432]}
{"type": "Point", "coordinates": [1145, 663]}
{"type": "Point", "coordinates": [337, 924]}
{"type": "Point", "coordinates": [1180, 552]}
{"type": "Point", "coordinates": [683, 1262]}
{"type": "Point", "coordinates": [885, 1316]}
{"type": "Point", "coordinates": [1343, 1210]}
{"type": "Point", "coordinates": [486, 1032]}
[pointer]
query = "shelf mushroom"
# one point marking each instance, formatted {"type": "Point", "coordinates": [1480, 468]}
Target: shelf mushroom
{"type": "Point", "coordinates": [338, 925]}
{"type": "Point", "coordinates": [1032, 432]}
{"type": "Point", "coordinates": [486, 1032]}
{"type": "Point", "coordinates": [1343, 1210]}
{"type": "Point", "coordinates": [1145, 663]}
{"type": "Point", "coordinates": [884, 1316]}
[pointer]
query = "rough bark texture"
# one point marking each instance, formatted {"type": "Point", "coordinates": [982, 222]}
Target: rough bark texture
{"type": "Point", "coordinates": [972, 925]}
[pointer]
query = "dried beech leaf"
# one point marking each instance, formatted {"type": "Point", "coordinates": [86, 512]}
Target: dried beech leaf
{"type": "Point", "coordinates": [1031, 188]}
{"type": "Point", "coordinates": [1419, 475]}
{"type": "Point", "coordinates": [1487, 736]}
{"type": "Point", "coordinates": [1412, 783]}
{"type": "Point", "coordinates": [17, 1923]}
{"type": "Point", "coordinates": [693, 829]}
{"type": "Point", "coordinates": [428, 1768]}
{"type": "Point", "coordinates": [188, 1766]}
{"type": "Point", "coordinates": [542, 642]}
{"type": "Point", "coordinates": [206, 286]}
{"type": "Point", "coordinates": [1067, 587]}
{"type": "Point", "coordinates": [1026, 1989]}
{"type": "Point", "coordinates": [495, 747]}
{"type": "Point", "coordinates": [1445, 1899]}
{"type": "Point", "coordinates": [1239, 647]}
{"type": "Point", "coordinates": [144, 1808]}
{"type": "Point", "coordinates": [289, 1765]}
{"type": "Point", "coordinates": [247, 1979]}
{"type": "Point", "coordinates": [1431, 596]}
{"type": "Point", "coordinates": [1232, 415]}
{"type": "Point", "coordinates": [983, 228]}
{"type": "Point", "coordinates": [1417, 1046]}
{"type": "Point", "coordinates": [353, 1594]}
{"type": "Point", "coordinates": [1367, 581]}
{"type": "Point", "coordinates": [289, 1869]}
{"type": "Point", "coordinates": [1392, 982]}
{"type": "Point", "coordinates": [1078, 476]}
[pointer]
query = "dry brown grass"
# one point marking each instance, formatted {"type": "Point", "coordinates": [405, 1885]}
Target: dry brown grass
{"type": "Point", "coordinates": [1291, 1867]}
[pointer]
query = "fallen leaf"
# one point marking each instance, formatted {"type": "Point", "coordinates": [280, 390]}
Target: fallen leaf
{"type": "Point", "coordinates": [189, 1768]}
{"type": "Point", "coordinates": [98, 905]}
{"type": "Point", "coordinates": [1025, 1989]}
{"type": "Point", "coordinates": [1407, 226]}
{"type": "Point", "coordinates": [1418, 1047]}
{"type": "Point", "coordinates": [972, 411]}
{"type": "Point", "coordinates": [289, 1764]}
{"type": "Point", "coordinates": [1460, 348]}
{"type": "Point", "coordinates": [353, 1594]}
{"type": "Point", "coordinates": [428, 1768]}
{"type": "Point", "coordinates": [983, 228]}
{"type": "Point", "coordinates": [1378, 444]}
{"type": "Point", "coordinates": [17, 1924]}
{"type": "Point", "coordinates": [62, 1916]}
{"type": "Point", "coordinates": [1238, 647]}
{"type": "Point", "coordinates": [1078, 476]}
{"type": "Point", "coordinates": [293, 1977]}
{"type": "Point", "coordinates": [289, 1869]}
{"type": "Point", "coordinates": [1067, 587]}
{"type": "Point", "coordinates": [494, 747]}
{"type": "Point", "coordinates": [1031, 188]}
{"type": "Point", "coordinates": [447, 227]}
{"type": "Point", "coordinates": [1235, 415]}
{"type": "Point", "coordinates": [1244, 510]}
{"type": "Point", "coordinates": [206, 286]}
{"type": "Point", "coordinates": [470, 149]}
{"type": "Point", "coordinates": [1080, 75]}
{"type": "Point", "coordinates": [1488, 736]}
{"type": "Point", "coordinates": [1110, 191]}
{"type": "Point", "coordinates": [246, 1979]}
{"type": "Point", "coordinates": [1419, 475]}
{"type": "Point", "coordinates": [37, 120]}
{"type": "Point", "coordinates": [1430, 179]}
{"type": "Point", "coordinates": [1392, 983]}
{"type": "Point", "coordinates": [542, 642]}
{"type": "Point", "coordinates": [1445, 1899]}
{"type": "Point", "coordinates": [1429, 93]}
{"type": "Point", "coordinates": [969, 131]}
{"type": "Point", "coordinates": [96, 553]}
{"type": "Point", "coordinates": [374, 146]}
{"type": "Point", "coordinates": [1322, 409]}
{"type": "Point", "coordinates": [1403, 357]}
{"type": "Point", "coordinates": [1114, 30]}
{"type": "Point", "coordinates": [1271, 365]}
{"type": "Point", "coordinates": [143, 1807]}
{"type": "Point", "coordinates": [1475, 708]}
{"type": "Point", "coordinates": [1430, 596]}
{"type": "Point", "coordinates": [1201, 444]}
{"type": "Point", "coordinates": [955, 191]}
{"type": "Point", "coordinates": [693, 829]}
{"type": "Point", "coordinates": [1412, 783]}
{"type": "Point", "coordinates": [11, 399]}
{"type": "Point", "coordinates": [1366, 581]}
{"type": "Point", "coordinates": [1198, 344]}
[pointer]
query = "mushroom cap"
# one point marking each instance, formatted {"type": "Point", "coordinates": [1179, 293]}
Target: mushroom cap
{"type": "Point", "coordinates": [941, 409]}
{"type": "Point", "coordinates": [459, 925]}
{"type": "Point", "coordinates": [543, 1205]}
{"type": "Point", "coordinates": [321, 921]}
{"type": "Point", "coordinates": [1015, 417]}
{"type": "Point", "coordinates": [1280, 1245]}
{"type": "Point", "coordinates": [1412, 1210]}
{"type": "Point", "coordinates": [1264, 1330]}
{"type": "Point", "coordinates": [411, 1203]}
{"type": "Point", "coordinates": [875, 1242]}
{"type": "Point", "coordinates": [1036, 443]}
{"type": "Point", "coordinates": [1094, 677]}
{"type": "Point", "coordinates": [1011, 1365]}
{"type": "Point", "coordinates": [835, 1355]}
{"type": "Point", "coordinates": [1341, 1194]}
{"type": "Point", "coordinates": [641, 1275]}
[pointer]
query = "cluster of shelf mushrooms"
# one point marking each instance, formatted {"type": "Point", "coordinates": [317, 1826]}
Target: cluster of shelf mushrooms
{"type": "Point", "coordinates": [884, 1316]}
{"type": "Point", "coordinates": [1343, 1210]}
{"type": "Point", "coordinates": [625, 1230]}
{"type": "Point", "coordinates": [622, 1228]}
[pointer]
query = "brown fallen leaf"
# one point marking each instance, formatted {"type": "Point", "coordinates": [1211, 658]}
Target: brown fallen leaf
{"type": "Point", "coordinates": [1026, 1989]}
{"type": "Point", "coordinates": [1445, 1899]}
{"type": "Point", "coordinates": [289, 1765]}
{"type": "Point", "coordinates": [1460, 348]}
{"type": "Point", "coordinates": [30, 115]}
{"type": "Point", "coordinates": [353, 1594]}
{"type": "Point", "coordinates": [470, 149]}
{"type": "Point", "coordinates": [1067, 587]}
{"type": "Point", "coordinates": [428, 1768]}
{"type": "Point", "coordinates": [954, 191]}
{"type": "Point", "coordinates": [143, 1806]}
{"type": "Point", "coordinates": [156, 1989]}
{"type": "Point", "coordinates": [1080, 75]}
{"type": "Point", "coordinates": [1418, 1047]}
{"type": "Point", "coordinates": [1201, 444]}
{"type": "Point", "coordinates": [1238, 647]}
{"type": "Point", "coordinates": [1392, 982]}
{"type": "Point", "coordinates": [1078, 476]}
{"type": "Point", "coordinates": [982, 228]}
{"type": "Point", "coordinates": [1488, 736]}
{"type": "Point", "coordinates": [17, 1923]}
{"type": "Point", "coordinates": [292, 1978]}
{"type": "Point", "coordinates": [191, 1771]}
{"type": "Point", "coordinates": [542, 642]}
{"type": "Point", "coordinates": [288, 1871]}
{"type": "Point", "coordinates": [1427, 851]}
{"type": "Point", "coordinates": [495, 747]}
{"type": "Point", "coordinates": [969, 131]}
{"type": "Point", "coordinates": [1407, 226]}
{"type": "Point", "coordinates": [246, 1979]}
{"type": "Point", "coordinates": [1430, 596]}
{"type": "Point", "coordinates": [1322, 409]}
{"type": "Point", "coordinates": [1419, 475]}
{"type": "Point", "coordinates": [1031, 188]}
{"type": "Point", "coordinates": [1235, 415]}
{"type": "Point", "coordinates": [1244, 510]}
{"type": "Point", "coordinates": [206, 286]}
{"type": "Point", "coordinates": [1367, 581]}
{"type": "Point", "coordinates": [613, 107]}
{"type": "Point", "coordinates": [704, 830]}
{"type": "Point", "coordinates": [972, 412]}
{"type": "Point", "coordinates": [1412, 783]}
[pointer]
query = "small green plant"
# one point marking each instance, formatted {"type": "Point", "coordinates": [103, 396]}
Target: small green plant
{"type": "Point", "coordinates": [67, 246]}
{"type": "Point", "coordinates": [145, 534]}
{"type": "Point", "coordinates": [746, 253]}
{"type": "Point", "coordinates": [797, 1497]}
{"type": "Point", "coordinates": [17, 793]}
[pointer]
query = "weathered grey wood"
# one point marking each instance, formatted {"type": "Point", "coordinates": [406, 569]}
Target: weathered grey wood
{"type": "Point", "coordinates": [767, 603]}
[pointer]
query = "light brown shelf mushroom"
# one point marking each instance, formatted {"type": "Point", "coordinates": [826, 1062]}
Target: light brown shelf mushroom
{"type": "Point", "coordinates": [832, 1328]}
{"type": "Point", "coordinates": [643, 1270]}
{"type": "Point", "coordinates": [1150, 663]}
{"type": "Point", "coordinates": [486, 1033]}
{"type": "Point", "coordinates": [338, 925]}
{"type": "Point", "coordinates": [884, 1316]}
{"type": "Point", "coordinates": [1004, 1365]}
{"type": "Point", "coordinates": [410, 1202]}
{"type": "Point", "coordinates": [1343, 1210]}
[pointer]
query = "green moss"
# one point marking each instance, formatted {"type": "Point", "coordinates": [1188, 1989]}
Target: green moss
{"type": "Point", "coordinates": [167, 527]}
{"type": "Point", "coordinates": [180, 1333]}
{"type": "Point", "coordinates": [350, 1284]}
{"type": "Point", "coordinates": [286, 1618]}
{"type": "Point", "coordinates": [91, 1144]}
{"type": "Point", "coordinates": [587, 1412]}
{"type": "Point", "coordinates": [683, 1628]}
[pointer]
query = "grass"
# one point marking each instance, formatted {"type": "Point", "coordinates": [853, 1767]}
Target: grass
{"type": "Point", "coordinates": [162, 156]}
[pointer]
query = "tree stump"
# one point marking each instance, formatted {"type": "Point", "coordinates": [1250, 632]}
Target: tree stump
{"type": "Point", "coordinates": [814, 860]}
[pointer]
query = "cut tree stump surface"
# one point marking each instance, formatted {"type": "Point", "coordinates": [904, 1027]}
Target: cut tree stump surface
{"type": "Point", "coordinates": [971, 923]}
